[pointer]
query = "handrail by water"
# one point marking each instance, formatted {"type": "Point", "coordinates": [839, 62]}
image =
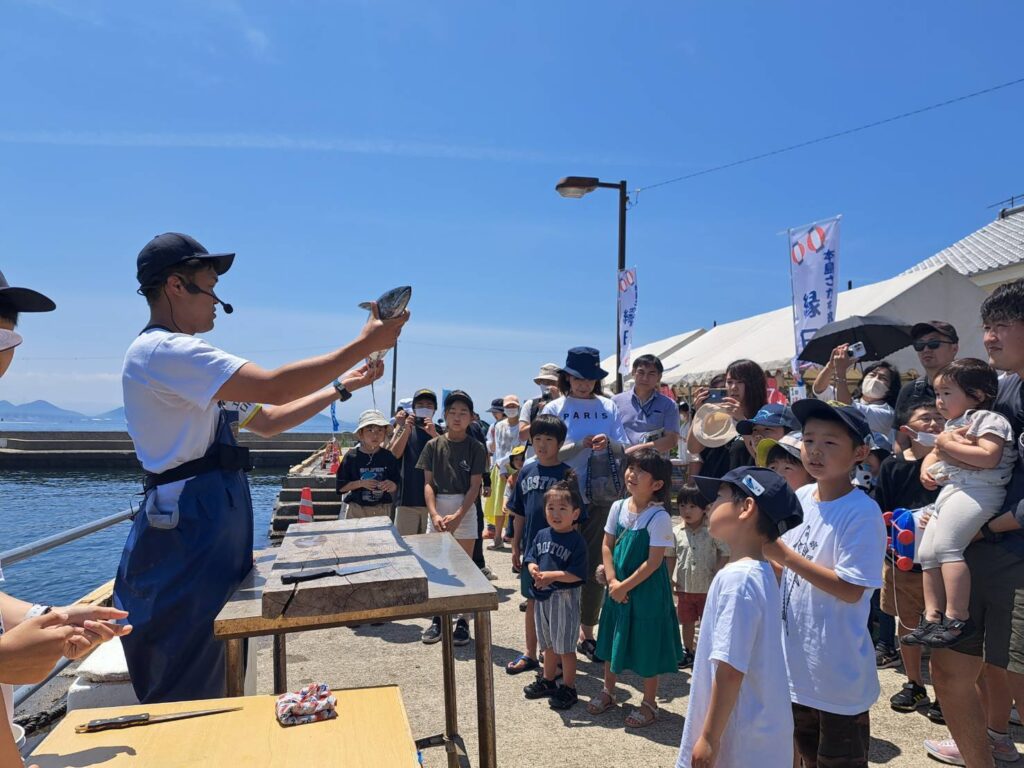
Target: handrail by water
{"type": "Point", "coordinates": [16, 555]}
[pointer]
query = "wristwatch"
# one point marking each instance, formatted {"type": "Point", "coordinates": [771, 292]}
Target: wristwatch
{"type": "Point", "coordinates": [37, 610]}
{"type": "Point", "coordinates": [989, 535]}
{"type": "Point", "coordinates": [343, 394]}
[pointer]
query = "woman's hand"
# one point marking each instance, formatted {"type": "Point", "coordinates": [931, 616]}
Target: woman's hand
{"type": "Point", "coordinates": [388, 486]}
{"type": "Point", "coordinates": [451, 522]}
{"type": "Point", "coordinates": [599, 442]}
{"type": "Point", "coordinates": [29, 651]}
{"type": "Point", "coordinates": [840, 360]}
{"type": "Point", "coordinates": [400, 418]}
{"type": "Point", "coordinates": [618, 591]}
{"type": "Point", "coordinates": [98, 623]}
{"type": "Point", "coordinates": [927, 480]}
{"type": "Point", "coordinates": [438, 522]}
{"type": "Point", "coordinates": [734, 408]}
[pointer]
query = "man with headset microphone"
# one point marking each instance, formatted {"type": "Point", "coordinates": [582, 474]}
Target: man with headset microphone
{"type": "Point", "coordinates": [191, 542]}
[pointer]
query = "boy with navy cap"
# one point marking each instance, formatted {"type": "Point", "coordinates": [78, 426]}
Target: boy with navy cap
{"type": "Point", "coordinates": [739, 665]}
{"type": "Point", "coordinates": [771, 422]}
{"type": "Point", "coordinates": [831, 563]}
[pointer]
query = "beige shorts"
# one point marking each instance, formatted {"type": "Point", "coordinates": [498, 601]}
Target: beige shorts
{"type": "Point", "coordinates": [411, 521]}
{"type": "Point", "coordinates": [356, 511]}
{"type": "Point", "coordinates": [448, 504]}
{"type": "Point", "coordinates": [902, 595]}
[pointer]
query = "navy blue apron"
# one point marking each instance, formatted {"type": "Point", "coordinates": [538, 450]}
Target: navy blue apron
{"type": "Point", "coordinates": [177, 572]}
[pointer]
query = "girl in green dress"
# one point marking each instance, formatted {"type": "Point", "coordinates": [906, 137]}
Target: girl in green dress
{"type": "Point", "coordinates": [638, 630]}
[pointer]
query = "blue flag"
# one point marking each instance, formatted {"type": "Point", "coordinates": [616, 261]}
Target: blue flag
{"type": "Point", "coordinates": [334, 418]}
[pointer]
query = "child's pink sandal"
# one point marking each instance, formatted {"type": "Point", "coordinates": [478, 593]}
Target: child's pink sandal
{"type": "Point", "coordinates": [640, 719]}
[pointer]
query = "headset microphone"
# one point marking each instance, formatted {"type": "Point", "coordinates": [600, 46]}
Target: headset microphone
{"type": "Point", "coordinates": [195, 289]}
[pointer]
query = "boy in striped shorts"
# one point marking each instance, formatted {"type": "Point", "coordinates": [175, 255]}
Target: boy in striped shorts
{"type": "Point", "coordinates": [557, 561]}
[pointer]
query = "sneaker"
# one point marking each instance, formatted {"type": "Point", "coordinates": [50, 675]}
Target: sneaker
{"type": "Point", "coordinates": [934, 713]}
{"type": "Point", "coordinates": [461, 634]}
{"type": "Point", "coordinates": [488, 573]}
{"type": "Point", "coordinates": [565, 697]}
{"type": "Point", "coordinates": [432, 634]}
{"type": "Point", "coordinates": [687, 661]}
{"type": "Point", "coordinates": [944, 750]}
{"type": "Point", "coordinates": [909, 698]}
{"type": "Point", "coordinates": [886, 658]}
{"type": "Point", "coordinates": [540, 688]}
{"type": "Point", "coordinates": [523, 606]}
{"type": "Point", "coordinates": [1014, 716]}
{"type": "Point", "coordinates": [1003, 748]}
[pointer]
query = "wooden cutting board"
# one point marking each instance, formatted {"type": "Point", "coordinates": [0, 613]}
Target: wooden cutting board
{"type": "Point", "coordinates": [340, 543]}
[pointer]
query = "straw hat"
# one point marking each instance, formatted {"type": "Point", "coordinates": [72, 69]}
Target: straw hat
{"type": "Point", "coordinates": [713, 425]}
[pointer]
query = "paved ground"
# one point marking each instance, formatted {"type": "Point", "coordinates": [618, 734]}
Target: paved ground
{"type": "Point", "coordinates": [529, 732]}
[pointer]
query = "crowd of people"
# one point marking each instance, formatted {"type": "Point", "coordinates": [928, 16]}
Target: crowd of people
{"type": "Point", "coordinates": [759, 559]}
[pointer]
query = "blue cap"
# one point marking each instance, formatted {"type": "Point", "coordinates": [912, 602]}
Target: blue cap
{"type": "Point", "coordinates": [880, 442]}
{"type": "Point", "coordinates": [771, 415]}
{"type": "Point", "coordinates": [774, 498]}
{"type": "Point", "coordinates": [171, 248]}
{"type": "Point", "coordinates": [847, 415]}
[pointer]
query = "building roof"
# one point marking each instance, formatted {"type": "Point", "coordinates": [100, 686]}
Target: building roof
{"type": "Point", "coordinates": [994, 246]}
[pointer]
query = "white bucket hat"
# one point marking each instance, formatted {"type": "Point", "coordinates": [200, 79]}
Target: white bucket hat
{"type": "Point", "coordinates": [372, 418]}
{"type": "Point", "coordinates": [713, 425]}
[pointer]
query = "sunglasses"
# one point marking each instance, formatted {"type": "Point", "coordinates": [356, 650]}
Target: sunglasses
{"type": "Point", "coordinates": [920, 346]}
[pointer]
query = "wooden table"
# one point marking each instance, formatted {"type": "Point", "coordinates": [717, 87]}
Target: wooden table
{"type": "Point", "coordinates": [455, 585]}
{"type": "Point", "coordinates": [371, 730]}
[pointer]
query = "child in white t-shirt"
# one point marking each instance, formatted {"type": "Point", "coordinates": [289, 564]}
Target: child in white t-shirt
{"type": "Point", "coordinates": [739, 654]}
{"type": "Point", "coordinates": [981, 443]}
{"type": "Point", "coordinates": [831, 563]}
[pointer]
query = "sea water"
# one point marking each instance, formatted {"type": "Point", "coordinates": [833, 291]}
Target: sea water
{"type": "Point", "coordinates": [36, 504]}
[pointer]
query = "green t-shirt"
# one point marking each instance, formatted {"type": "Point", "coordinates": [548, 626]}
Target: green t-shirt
{"type": "Point", "coordinates": [453, 464]}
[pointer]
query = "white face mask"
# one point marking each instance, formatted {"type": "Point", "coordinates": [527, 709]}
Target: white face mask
{"type": "Point", "coordinates": [924, 439]}
{"type": "Point", "coordinates": [875, 388]}
{"type": "Point", "coordinates": [511, 412]}
{"type": "Point", "coordinates": [424, 413]}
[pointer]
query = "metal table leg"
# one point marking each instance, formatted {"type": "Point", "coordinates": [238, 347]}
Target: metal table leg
{"type": "Point", "coordinates": [451, 711]}
{"type": "Point", "coordinates": [485, 691]}
{"type": "Point", "coordinates": [280, 664]}
{"type": "Point", "coordinates": [234, 666]}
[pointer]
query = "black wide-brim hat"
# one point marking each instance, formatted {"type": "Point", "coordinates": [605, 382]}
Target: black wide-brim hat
{"type": "Point", "coordinates": [584, 363]}
{"type": "Point", "coordinates": [171, 248]}
{"type": "Point", "coordinates": [24, 299]}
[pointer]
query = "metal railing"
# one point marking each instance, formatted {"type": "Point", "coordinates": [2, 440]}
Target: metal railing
{"type": "Point", "coordinates": [24, 552]}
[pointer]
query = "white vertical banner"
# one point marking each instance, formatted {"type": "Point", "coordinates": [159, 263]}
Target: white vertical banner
{"type": "Point", "coordinates": [814, 270]}
{"type": "Point", "coordinates": [627, 316]}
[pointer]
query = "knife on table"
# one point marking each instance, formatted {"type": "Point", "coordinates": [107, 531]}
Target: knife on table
{"type": "Point", "coordinates": [144, 718]}
{"type": "Point", "coordinates": [322, 573]}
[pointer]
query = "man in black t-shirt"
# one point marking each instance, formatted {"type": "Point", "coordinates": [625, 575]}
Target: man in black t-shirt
{"type": "Point", "coordinates": [996, 562]}
{"type": "Point", "coordinates": [937, 344]}
{"type": "Point", "coordinates": [413, 431]}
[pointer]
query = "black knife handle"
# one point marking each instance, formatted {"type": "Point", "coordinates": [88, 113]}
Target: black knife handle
{"type": "Point", "coordinates": [295, 578]}
{"type": "Point", "coordinates": [106, 724]}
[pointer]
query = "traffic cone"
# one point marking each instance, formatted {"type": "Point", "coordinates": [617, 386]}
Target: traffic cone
{"type": "Point", "coordinates": [306, 506]}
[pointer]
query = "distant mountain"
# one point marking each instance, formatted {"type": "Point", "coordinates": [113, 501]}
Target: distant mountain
{"type": "Point", "coordinates": [38, 410]}
{"type": "Point", "coordinates": [41, 412]}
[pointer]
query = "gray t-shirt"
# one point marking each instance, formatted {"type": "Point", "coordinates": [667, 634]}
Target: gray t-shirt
{"type": "Point", "coordinates": [453, 464]}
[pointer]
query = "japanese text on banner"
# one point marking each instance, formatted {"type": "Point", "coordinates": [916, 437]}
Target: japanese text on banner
{"type": "Point", "coordinates": [814, 268]}
{"type": "Point", "coordinates": [627, 316]}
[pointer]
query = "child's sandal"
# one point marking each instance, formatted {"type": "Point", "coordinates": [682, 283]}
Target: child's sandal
{"type": "Point", "coordinates": [601, 703]}
{"type": "Point", "coordinates": [922, 631]}
{"type": "Point", "coordinates": [640, 719]}
{"type": "Point", "coordinates": [950, 632]}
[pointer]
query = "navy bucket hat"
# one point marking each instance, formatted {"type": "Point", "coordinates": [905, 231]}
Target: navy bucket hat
{"type": "Point", "coordinates": [584, 363]}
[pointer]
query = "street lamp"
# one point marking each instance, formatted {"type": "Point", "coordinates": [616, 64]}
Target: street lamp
{"type": "Point", "coordinates": [578, 186]}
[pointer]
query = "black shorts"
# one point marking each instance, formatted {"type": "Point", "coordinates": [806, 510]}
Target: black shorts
{"type": "Point", "coordinates": [997, 606]}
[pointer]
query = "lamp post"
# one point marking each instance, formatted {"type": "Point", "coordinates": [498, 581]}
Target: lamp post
{"type": "Point", "coordinates": [576, 187]}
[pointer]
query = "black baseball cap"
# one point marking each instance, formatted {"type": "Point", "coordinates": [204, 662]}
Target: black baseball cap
{"type": "Point", "coordinates": [428, 394]}
{"type": "Point", "coordinates": [846, 415]}
{"type": "Point", "coordinates": [497, 404]}
{"type": "Point", "coordinates": [458, 396]}
{"type": "Point", "coordinates": [772, 494]}
{"type": "Point", "coordinates": [24, 299]}
{"type": "Point", "coordinates": [171, 248]}
{"type": "Point", "coordinates": [934, 326]}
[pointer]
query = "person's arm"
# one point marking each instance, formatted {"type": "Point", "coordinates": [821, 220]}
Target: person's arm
{"type": "Point", "coordinates": [670, 563]}
{"type": "Point", "coordinates": [607, 547]}
{"type": "Point", "coordinates": [12, 610]}
{"type": "Point", "coordinates": [517, 536]}
{"type": "Point", "coordinates": [272, 420]}
{"type": "Point", "coordinates": [818, 576]}
{"type": "Point", "coordinates": [429, 499]}
{"type": "Point", "coordinates": [985, 454]}
{"type": "Point", "coordinates": [725, 690]}
{"type": "Point", "coordinates": [926, 477]}
{"type": "Point", "coordinates": [253, 384]}
{"type": "Point", "coordinates": [834, 372]}
{"type": "Point", "coordinates": [401, 437]}
{"type": "Point", "coordinates": [544, 578]}
{"type": "Point", "coordinates": [655, 557]}
{"type": "Point", "coordinates": [392, 474]}
{"type": "Point", "coordinates": [475, 482]}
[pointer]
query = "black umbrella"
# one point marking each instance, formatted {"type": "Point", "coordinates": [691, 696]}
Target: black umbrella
{"type": "Point", "coordinates": [881, 336]}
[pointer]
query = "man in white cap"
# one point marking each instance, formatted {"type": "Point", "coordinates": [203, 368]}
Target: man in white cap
{"type": "Point", "coordinates": [547, 380]}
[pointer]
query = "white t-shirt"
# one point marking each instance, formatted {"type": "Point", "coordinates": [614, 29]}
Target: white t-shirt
{"type": "Point", "coordinates": [583, 418]}
{"type": "Point", "coordinates": [660, 528]}
{"type": "Point", "coordinates": [506, 437]}
{"type": "Point", "coordinates": [169, 382]}
{"type": "Point", "coordinates": [829, 655]}
{"type": "Point", "coordinates": [742, 627]}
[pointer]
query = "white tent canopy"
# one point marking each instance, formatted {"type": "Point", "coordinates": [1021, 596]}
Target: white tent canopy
{"type": "Point", "coordinates": [660, 349]}
{"type": "Point", "coordinates": [940, 293]}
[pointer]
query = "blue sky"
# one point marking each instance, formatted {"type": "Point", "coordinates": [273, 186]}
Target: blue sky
{"type": "Point", "coordinates": [341, 148]}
